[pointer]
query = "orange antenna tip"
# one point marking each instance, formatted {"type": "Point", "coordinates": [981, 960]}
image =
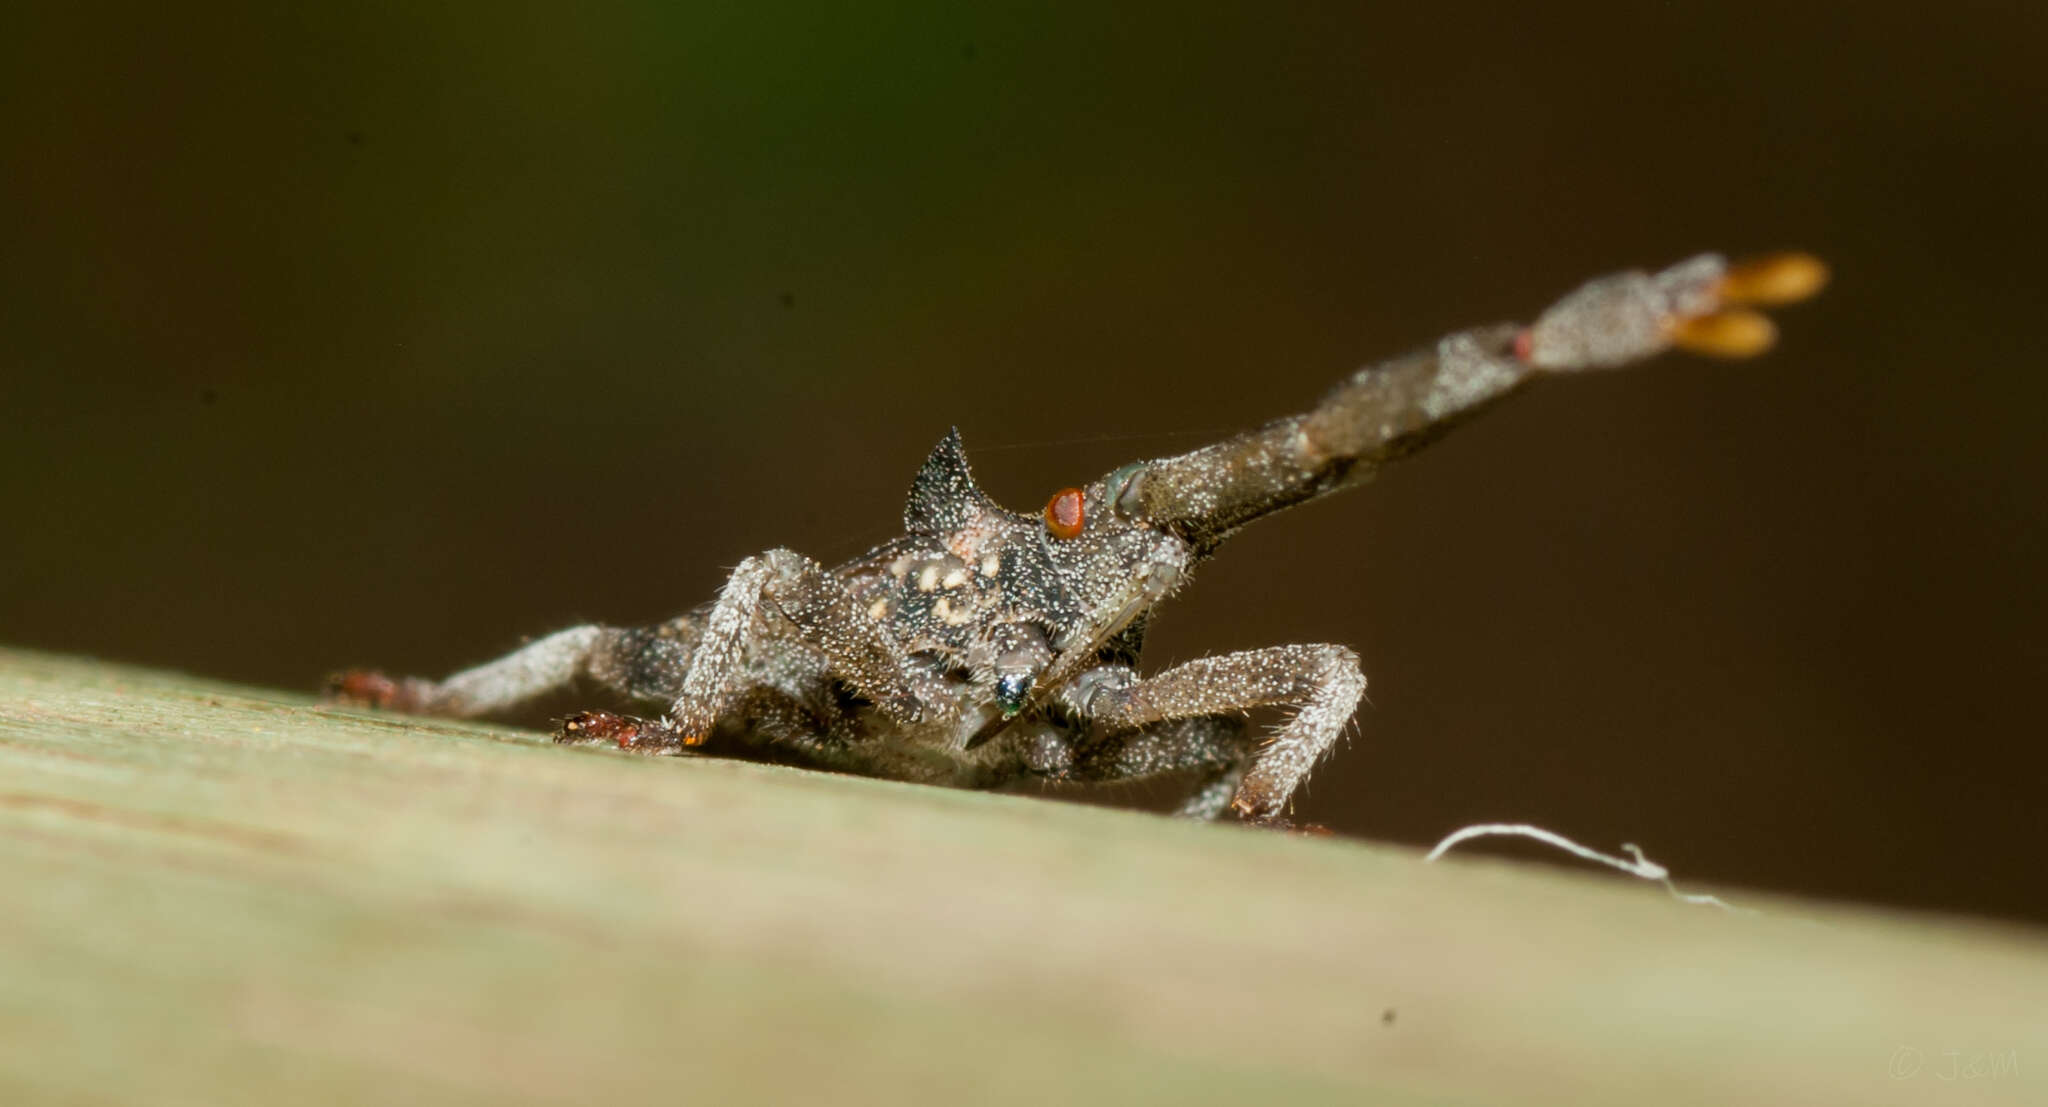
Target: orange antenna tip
{"type": "Point", "coordinates": [1773, 279]}
{"type": "Point", "coordinates": [1729, 334]}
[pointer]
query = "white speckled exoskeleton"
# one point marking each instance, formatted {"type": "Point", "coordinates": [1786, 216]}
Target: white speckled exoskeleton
{"type": "Point", "coordinates": [984, 645]}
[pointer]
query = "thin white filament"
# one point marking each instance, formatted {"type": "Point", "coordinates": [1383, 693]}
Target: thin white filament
{"type": "Point", "coordinates": [1635, 864]}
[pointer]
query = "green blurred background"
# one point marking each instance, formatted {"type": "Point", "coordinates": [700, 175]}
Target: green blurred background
{"type": "Point", "coordinates": [387, 334]}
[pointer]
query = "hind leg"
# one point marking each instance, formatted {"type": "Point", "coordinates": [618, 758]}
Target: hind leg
{"type": "Point", "coordinates": [644, 664]}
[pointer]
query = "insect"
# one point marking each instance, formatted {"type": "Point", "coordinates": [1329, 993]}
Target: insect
{"type": "Point", "coordinates": [985, 645]}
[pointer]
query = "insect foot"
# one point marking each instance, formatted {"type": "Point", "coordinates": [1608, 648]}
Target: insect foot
{"type": "Point", "coordinates": [603, 728]}
{"type": "Point", "coordinates": [370, 688]}
{"type": "Point", "coordinates": [1286, 825]}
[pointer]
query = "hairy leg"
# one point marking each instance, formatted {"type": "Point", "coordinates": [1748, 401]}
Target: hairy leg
{"type": "Point", "coordinates": [697, 664]}
{"type": "Point", "coordinates": [1216, 744]}
{"type": "Point", "coordinates": [1324, 682]}
{"type": "Point", "coordinates": [858, 647]}
{"type": "Point", "coordinates": [637, 663]}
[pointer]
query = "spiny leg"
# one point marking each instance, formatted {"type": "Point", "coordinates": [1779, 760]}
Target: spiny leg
{"type": "Point", "coordinates": [858, 648]}
{"type": "Point", "coordinates": [1217, 744]}
{"type": "Point", "coordinates": [638, 663]}
{"type": "Point", "coordinates": [1323, 681]}
{"type": "Point", "coordinates": [1212, 794]}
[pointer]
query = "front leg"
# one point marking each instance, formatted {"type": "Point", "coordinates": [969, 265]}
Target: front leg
{"type": "Point", "coordinates": [1323, 681]}
{"type": "Point", "coordinates": [1217, 745]}
{"type": "Point", "coordinates": [859, 649]}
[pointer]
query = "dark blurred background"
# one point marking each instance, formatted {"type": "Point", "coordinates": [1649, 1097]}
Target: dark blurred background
{"type": "Point", "coordinates": [368, 334]}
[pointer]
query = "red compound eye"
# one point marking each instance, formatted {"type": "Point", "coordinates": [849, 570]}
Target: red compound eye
{"type": "Point", "coordinates": [1063, 513]}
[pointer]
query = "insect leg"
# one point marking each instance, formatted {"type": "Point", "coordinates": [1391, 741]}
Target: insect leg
{"type": "Point", "coordinates": [1216, 744]}
{"type": "Point", "coordinates": [1324, 682]}
{"type": "Point", "coordinates": [640, 663]}
{"type": "Point", "coordinates": [859, 648]}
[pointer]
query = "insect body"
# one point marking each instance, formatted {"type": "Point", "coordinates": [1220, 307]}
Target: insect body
{"type": "Point", "coordinates": [985, 644]}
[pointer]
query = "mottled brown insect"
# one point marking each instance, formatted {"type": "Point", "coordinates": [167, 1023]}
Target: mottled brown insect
{"type": "Point", "coordinates": [984, 645]}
